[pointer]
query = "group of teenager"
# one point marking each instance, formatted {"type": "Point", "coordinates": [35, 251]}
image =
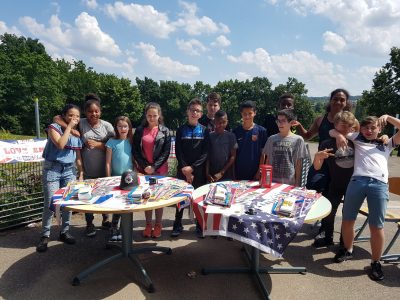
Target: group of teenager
{"type": "Point", "coordinates": [350, 165]}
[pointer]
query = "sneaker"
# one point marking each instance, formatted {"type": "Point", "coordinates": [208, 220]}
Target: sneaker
{"type": "Point", "coordinates": [343, 255]}
{"type": "Point", "coordinates": [376, 272]}
{"type": "Point", "coordinates": [106, 224]}
{"type": "Point", "coordinates": [157, 230]}
{"type": "Point", "coordinates": [42, 246]}
{"type": "Point", "coordinates": [67, 238]}
{"type": "Point", "coordinates": [90, 230]}
{"type": "Point", "coordinates": [176, 230]}
{"type": "Point", "coordinates": [114, 233]}
{"type": "Point", "coordinates": [147, 231]}
{"type": "Point", "coordinates": [319, 243]}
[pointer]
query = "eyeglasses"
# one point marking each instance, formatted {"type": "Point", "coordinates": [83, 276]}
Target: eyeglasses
{"type": "Point", "coordinates": [281, 121]}
{"type": "Point", "coordinates": [122, 126]}
{"type": "Point", "coordinates": [197, 111]}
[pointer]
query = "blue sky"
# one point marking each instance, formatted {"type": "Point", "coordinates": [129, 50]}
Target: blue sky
{"type": "Point", "coordinates": [325, 44]}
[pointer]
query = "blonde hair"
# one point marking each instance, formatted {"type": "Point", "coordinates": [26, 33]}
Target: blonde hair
{"type": "Point", "coordinates": [345, 117]}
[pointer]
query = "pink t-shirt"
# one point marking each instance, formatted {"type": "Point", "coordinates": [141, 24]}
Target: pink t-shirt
{"type": "Point", "coordinates": [148, 140]}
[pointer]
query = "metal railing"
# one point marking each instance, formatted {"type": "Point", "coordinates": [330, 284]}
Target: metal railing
{"type": "Point", "coordinates": [21, 193]}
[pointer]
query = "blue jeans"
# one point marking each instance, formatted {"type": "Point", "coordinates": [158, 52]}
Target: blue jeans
{"type": "Point", "coordinates": [377, 195]}
{"type": "Point", "coordinates": [55, 176]}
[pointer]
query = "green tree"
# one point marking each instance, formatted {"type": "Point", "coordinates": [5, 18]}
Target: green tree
{"type": "Point", "coordinates": [26, 72]}
{"type": "Point", "coordinates": [384, 97]}
{"type": "Point", "coordinates": [174, 98]}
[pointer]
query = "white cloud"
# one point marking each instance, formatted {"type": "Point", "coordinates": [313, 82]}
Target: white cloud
{"type": "Point", "coordinates": [367, 27]}
{"type": "Point", "coordinates": [108, 63]}
{"type": "Point", "coordinates": [221, 41]}
{"type": "Point", "coordinates": [194, 25]}
{"type": "Point", "coordinates": [11, 30]}
{"type": "Point", "coordinates": [145, 17]}
{"type": "Point", "coordinates": [92, 4]}
{"type": "Point", "coordinates": [334, 43]}
{"type": "Point", "coordinates": [318, 75]}
{"type": "Point", "coordinates": [165, 65]}
{"type": "Point", "coordinates": [242, 76]}
{"type": "Point", "coordinates": [191, 47]}
{"type": "Point", "coordinates": [86, 36]}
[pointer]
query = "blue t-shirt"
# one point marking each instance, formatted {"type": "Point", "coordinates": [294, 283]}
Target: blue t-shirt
{"type": "Point", "coordinates": [250, 144]}
{"type": "Point", "coordinates": [121, 156]}
{"type": "Point", "coordinates": [63, 156]}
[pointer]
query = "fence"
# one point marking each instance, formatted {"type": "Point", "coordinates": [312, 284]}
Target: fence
{"type": "Point", "coordinates": [21, 190]}
{"type": "Point", "coordinates": [21, 194]}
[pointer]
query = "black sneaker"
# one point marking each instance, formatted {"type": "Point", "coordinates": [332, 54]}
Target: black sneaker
{"type": "Point", "coordinates": [114, 235]}
{"type": "Point", "coordinates": [176, 230]}
{"type": "Point", "coordinates": [319, 243]}
{"type": "Point", "coordinates": [105, 224]}
{"type": "Point", "coordinates": [376, 272]}
{"type": "Point", "coordinates": [343, 255]}
{"type": "Point", "coordinates": [67, 238]}
{"type": "Point", "coordinates": [90, 230]}
{"type": "Point", "coordinates": [199, 231]}
{"type": "Point", "coordinates": [42, 246]}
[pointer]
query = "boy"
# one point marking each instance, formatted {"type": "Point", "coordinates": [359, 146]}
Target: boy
{"type": "Point", "coordinates": [191, 152]}
{"type": "Point", "coordinates": [284, 151]}
{"type": "Point", "coordinates": [286, 101]}
{"type": "Point", "coordinates": [340, 163]}
{"type": "Point", "coordinates": [369, 180]}
{"type": "Point", "coordinates": [213, 105]}
{"type": "Point", "coordinates": [250, 138]}
{"type": "Point", "coordinates": [222, 150]}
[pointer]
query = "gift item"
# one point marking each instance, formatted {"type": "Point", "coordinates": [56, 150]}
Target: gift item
{"type": "Point", "coordinates": [265, 176]}
{"type": "Point", "coordinates": [85, 193]}
{"type": "Point", "coordinates": [129, 179]}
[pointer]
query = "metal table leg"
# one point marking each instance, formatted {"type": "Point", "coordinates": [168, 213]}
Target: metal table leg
{"type": "Point", "coordinates": [253, 268]}
{"type": "Point", "coordinates": [126, 251]}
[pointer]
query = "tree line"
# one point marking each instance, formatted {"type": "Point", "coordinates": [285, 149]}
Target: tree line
{"type": "Point", "coordinates": [27, 71]}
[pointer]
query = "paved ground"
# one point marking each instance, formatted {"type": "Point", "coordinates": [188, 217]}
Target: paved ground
{"type": "Point", "coordinates": [26, 274]}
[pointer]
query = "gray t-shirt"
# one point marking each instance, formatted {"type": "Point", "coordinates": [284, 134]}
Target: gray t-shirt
{"type": "Point", "coordinates": [220, 148]}
{"type": "Point", "coordinates": [94, 160]}
{"type": "Point", "coordinates": [282, 154]}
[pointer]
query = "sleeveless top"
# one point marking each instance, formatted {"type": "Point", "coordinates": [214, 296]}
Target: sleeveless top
{"type": "Point", "coordinates": [323, 130]}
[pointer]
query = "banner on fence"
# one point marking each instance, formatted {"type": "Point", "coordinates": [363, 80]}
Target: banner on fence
{"type": "Point", "coordinates": [12, 151]}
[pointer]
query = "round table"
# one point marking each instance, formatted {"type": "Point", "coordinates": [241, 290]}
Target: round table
{"type": "Point", "coordinates": [320, 209]}
{"type": "Point", "coordinates": [126, 248]}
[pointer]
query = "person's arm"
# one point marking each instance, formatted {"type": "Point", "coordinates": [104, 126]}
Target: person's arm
{"type": "Point", "coordinates": [341, 140]}
{"type": "Point", "coordinates": [311, 132]}
{"type": "Point", "coordinates": [108, 161]}
{"type": "Point", "coordinates": [203, 156]}
{"type": "Point", "coordinates": [137, 149]}
{"type": "Point", "coordinates": [60, 121]}
{"type": "Point", "coordinates": [297, 172]}
{"type": "Point", "coordinates": [383, 120]}
{"type": "Point", "coordinates": [320, 156]}
{"type": "Point", "coordinates": [208, 176]}
{"type": "Point", "coordinates": [79, 165]}
{"type": "Point", "coordinates": [61, 140]}
{"type": "Point", "coordinates": [166, 149]}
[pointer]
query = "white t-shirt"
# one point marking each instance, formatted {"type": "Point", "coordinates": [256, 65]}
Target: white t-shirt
{"type": "Point", "coordinates": [371, 157]}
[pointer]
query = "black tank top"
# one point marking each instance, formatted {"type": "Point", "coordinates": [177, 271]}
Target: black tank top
{"type": "Point", "coordinates": [323, 130]}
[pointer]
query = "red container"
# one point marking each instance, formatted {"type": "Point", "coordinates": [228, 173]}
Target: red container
{"type": "Point", "coordinates": [265, 176]}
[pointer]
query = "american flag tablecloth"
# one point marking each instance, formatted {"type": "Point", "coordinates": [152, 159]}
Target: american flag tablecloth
{"type": "Point", "coordinates": [264, 230]}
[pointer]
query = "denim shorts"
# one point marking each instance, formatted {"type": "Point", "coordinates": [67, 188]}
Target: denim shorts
{"type": "Point", "coordinates": [377, 194]}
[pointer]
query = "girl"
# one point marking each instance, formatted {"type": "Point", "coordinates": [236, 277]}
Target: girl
{"type": "Point", "coordinates": [94, 134]}
{"type": "Point", "coordinates": [151, 147]}
{"type": "Point", "coordinates": [119, 159]}
{"type": "Point", "coordinates": [61, 151]}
